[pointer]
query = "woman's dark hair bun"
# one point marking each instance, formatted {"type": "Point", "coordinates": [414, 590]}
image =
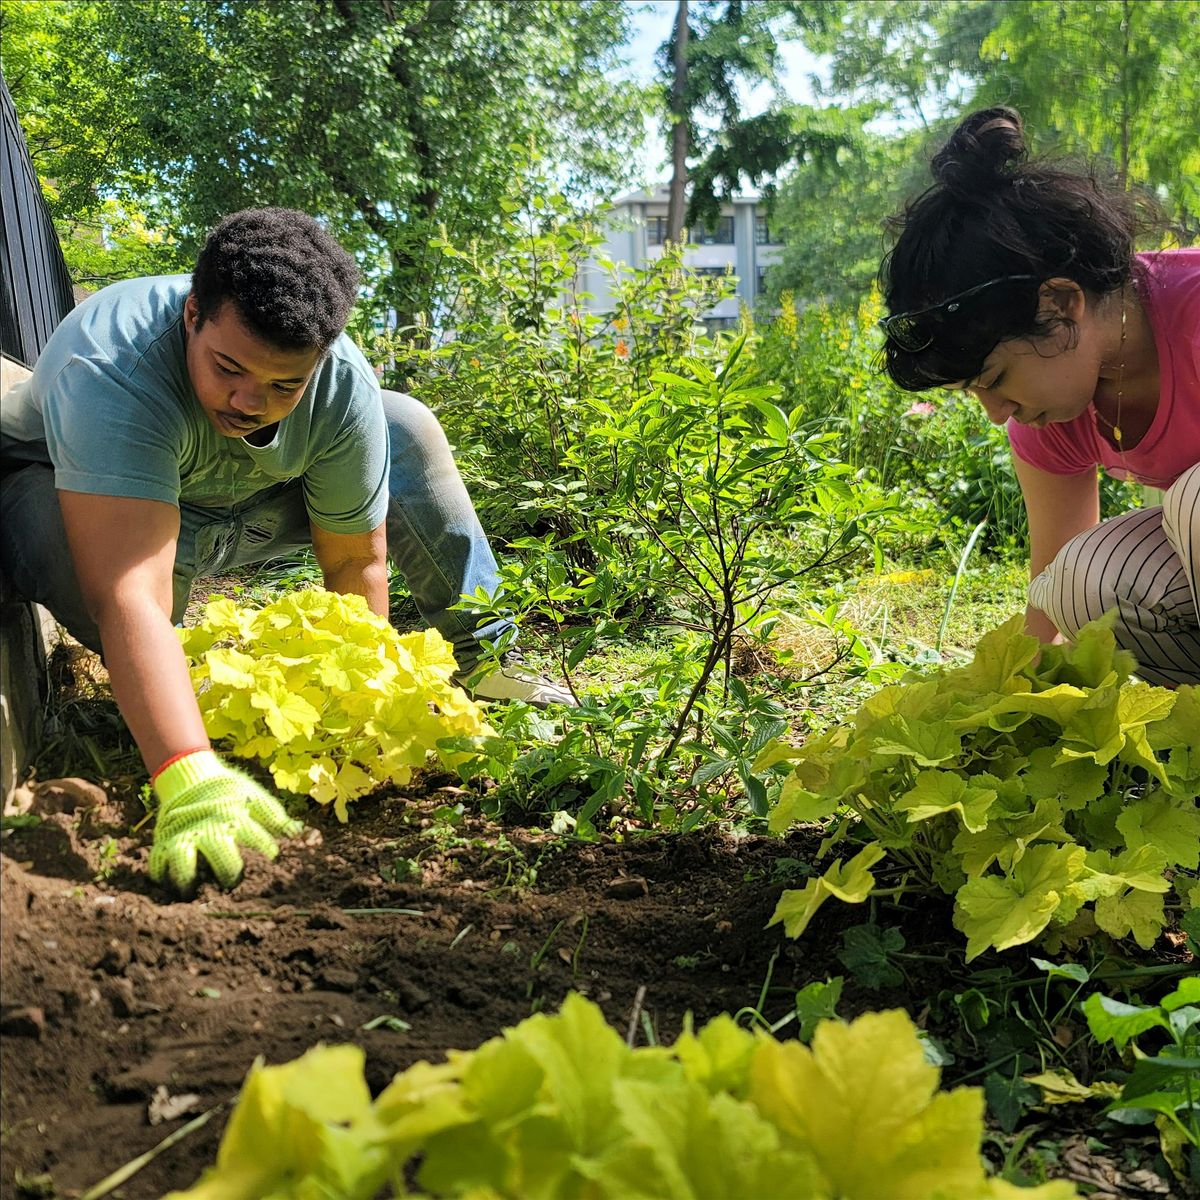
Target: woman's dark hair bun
{"type": "Point", "coordinates": [981, 150]}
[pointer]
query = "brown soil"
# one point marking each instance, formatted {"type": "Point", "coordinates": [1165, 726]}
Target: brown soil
{"type": "Point", "coordinates": [114, 990]}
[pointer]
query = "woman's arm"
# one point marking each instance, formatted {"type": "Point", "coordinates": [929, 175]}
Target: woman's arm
{"type": "Point", "coordinates": [1058, 507]}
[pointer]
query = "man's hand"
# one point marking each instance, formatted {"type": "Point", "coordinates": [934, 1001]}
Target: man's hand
{"type": "Point", "coordinates": [208, 808]}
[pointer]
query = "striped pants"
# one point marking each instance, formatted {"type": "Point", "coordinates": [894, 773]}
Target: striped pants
{"type": "Point", "coordinates": [1145, 564]}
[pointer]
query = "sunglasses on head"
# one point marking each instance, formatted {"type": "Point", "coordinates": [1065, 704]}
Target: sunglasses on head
{"type": "Point", "coordinates": [913, 331]}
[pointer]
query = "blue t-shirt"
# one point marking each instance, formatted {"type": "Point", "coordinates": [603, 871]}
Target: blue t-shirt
{"type": "Point", "coordinates": [111, 407]}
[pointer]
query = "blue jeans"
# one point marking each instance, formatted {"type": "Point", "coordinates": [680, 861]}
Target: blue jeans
{"type": "Point", "coordinates": [433, 535]}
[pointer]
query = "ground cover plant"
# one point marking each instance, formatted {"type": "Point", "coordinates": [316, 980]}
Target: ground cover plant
{"type": "Point", "coordinates": [1045, 790]}
{"type": "Point", "coordinates": [560, 1106]}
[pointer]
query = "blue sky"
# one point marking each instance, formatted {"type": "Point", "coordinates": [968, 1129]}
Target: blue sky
{"type": "Point", "coordinates": [652, 20]}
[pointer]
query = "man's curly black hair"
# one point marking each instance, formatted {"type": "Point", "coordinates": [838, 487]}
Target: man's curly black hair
{"type": "Point", "coordinates": [291, 283]}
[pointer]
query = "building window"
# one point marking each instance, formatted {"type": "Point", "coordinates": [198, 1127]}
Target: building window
{"type": "Point", "coordinates": [760, 278]}
{"type": "Point", "coordinates": [762, 233]}
{"type": "Point", "coordinates": [656, 231]}
{"type": "Point", "coordinates": [711, 272]}
{"type": "Point", "coordinates": [720, 235]}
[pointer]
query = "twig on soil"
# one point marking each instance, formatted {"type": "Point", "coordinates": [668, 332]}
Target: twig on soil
{"type": "Point", "coordinates": [112, 1182]}
{"type": "Point", "coordinates": [274, 914]}
{"type": "Point", "coordinates": [637, 1012]}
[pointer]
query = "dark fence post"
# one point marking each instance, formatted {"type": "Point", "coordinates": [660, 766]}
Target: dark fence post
{"type": "Point", "coordinates": [35, 294]}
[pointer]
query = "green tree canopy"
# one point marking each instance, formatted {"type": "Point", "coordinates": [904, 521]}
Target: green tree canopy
{"type": "Point", "coordinates": [387, 118]}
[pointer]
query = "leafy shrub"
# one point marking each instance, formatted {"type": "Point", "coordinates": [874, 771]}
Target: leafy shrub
{"type": "Point", "coordinates": [1051, 798]}
{"type": "Point", "coordinates": [560, 1107]}
{"type": "Point", "coordinates": [644, 477]}
{"type": "Point", "coordinates": [325, 694]}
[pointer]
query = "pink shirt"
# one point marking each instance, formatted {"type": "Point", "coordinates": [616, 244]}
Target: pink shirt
{"type": "Point", "coordinates": [1168, 282]}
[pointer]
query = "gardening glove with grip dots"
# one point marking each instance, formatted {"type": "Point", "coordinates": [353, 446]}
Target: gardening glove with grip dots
{"type": "Point", "coordinates": [208, 808]}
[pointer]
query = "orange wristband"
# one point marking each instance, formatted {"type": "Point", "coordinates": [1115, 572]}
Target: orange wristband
{"type": "Point", "coordinates": [174, 759]}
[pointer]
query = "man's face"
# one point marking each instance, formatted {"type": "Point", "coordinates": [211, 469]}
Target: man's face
{"type": "Point", "coordinates": [243, 383]}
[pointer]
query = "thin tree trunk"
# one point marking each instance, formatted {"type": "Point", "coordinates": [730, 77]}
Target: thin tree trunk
{"type": "Point", "coordinates": [679, 128]}
{"type": "Point", "coordinates": [1126, 15]}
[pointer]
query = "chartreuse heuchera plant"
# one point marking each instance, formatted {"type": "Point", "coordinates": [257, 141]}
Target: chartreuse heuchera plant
{"type": "Point", "coordinates": [560, 1107]}
{"type": "Point", "coordinates": [325, 693]}
{"type": "Point", "coordinates": [1050, 796]}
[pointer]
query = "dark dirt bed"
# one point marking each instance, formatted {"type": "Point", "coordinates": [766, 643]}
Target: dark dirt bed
{"type": "Point", "coordinates": [127, 1013]}
{"type": "Point", "coordinates": [113, 990]}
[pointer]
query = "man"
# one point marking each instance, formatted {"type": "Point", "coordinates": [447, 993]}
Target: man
{"type": "Point", "coordinates": [177, 426]}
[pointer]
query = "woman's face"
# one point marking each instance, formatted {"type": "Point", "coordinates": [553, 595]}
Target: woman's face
{"type": "Point", "coordinates": [1043, 380]}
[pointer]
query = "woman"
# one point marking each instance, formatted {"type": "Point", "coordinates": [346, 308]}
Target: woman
{"type": "Point", "coordinates": [1018, 283]}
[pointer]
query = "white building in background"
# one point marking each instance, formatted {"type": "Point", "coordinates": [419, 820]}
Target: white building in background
{"type": "Point", "coordinates": [742, 243]}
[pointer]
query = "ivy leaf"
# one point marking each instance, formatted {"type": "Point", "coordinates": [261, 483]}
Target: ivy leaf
{"type": "Point", "coordinates": [938, 792]}
{"type": "Point", "coordinates": [867, 951]}
{"type": "Point", "coordinates": [1008, 1099]}
{"type": "Point", "coordinates": [816, 1002]}
{"type": "Point", "coordinates": [1009, 910]}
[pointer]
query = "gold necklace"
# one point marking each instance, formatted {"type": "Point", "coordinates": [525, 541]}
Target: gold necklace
{"type": "Point", "coordinates": [1115, 426]}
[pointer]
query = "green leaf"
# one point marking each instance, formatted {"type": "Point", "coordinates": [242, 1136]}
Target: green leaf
{"type": "Point", "coordinates": [1170, 825]}
{"type": "Point", "coordinates": [718, 1057]}
{"type": "Point", "coordinates": [1188, 992]}
{"type": "Point", "coordinates": [1013, 909]}
{"type": "Point", "coordinates": [872, 1075]}
{"type": "Point", "coordinates": [851, 884]}
{"type": "Point", "coordinates": [1008, 1099]}
{"type": "Point", "coordinates": [797, 805]}
{"type": "Point", "coordinates": [938, 792]}
{"type": "Point", "coordinates": [816, 1002]}
{"type": "Point", "coordinates": [1073, 971]}
{"type": "Point", "coordinates": [1114, 1021]}
{"type": "Point", "coordinates": [867, 954]}
{"type": "Point", "coordinates": [1135, 913]}
{"type": "Point", "coordinates": [926, 744]}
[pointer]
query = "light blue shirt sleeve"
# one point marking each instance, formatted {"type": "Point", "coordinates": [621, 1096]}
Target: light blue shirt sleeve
{"type": "Point", "coordinates": [105, 438]}
{"type": "Point", "coordinates": [346, 482]}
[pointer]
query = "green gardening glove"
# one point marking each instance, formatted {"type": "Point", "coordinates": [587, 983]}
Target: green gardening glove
{"type": "Point", "coordinates": [208, 808]}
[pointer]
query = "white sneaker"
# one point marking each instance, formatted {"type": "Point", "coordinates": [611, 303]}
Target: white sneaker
{"type": "Point", "coordinates": [514, 681]}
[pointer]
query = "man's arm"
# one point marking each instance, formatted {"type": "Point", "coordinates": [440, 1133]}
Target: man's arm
{"type": "Point", "coordinates": [355, 563]}
{"type": "Point", "coordinates": [124, 555]}
{"type": "Point", "coordinates": [1059, 507]}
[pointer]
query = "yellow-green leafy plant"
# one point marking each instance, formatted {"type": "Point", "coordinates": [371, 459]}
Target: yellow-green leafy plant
{"type": "Point", "coordinates": [326, 694]}
{"type": "Point", "coordinates": [1044, 789]}
{"type": "Point", "coordinates": [560, 1107]}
